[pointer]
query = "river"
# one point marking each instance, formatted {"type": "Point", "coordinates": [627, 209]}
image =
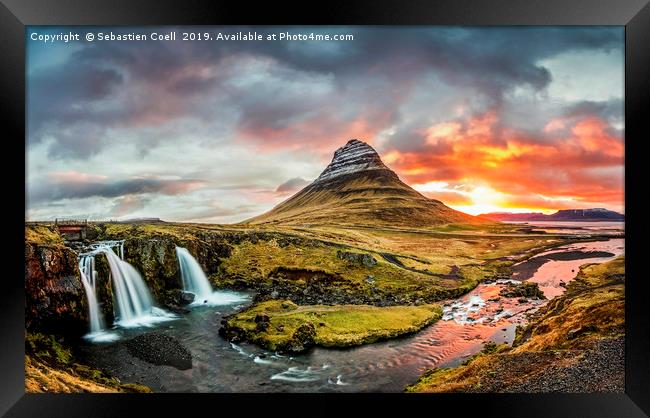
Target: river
{"type": "Point", "coordinates": [468, 322]}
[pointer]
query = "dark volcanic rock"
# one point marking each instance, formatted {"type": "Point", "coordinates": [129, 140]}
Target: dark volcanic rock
{"type": "Point", "coordinates": [160, 349]}
{"type": "Point", "coordinates": [186, 298]}
{"type": "Point", "coordinates": [54, 296]}
{"type": "Point", "coordinates": [353, 157]}
{"type": "Point", "coordinates": [302, 338]}
{"type": "Point", "coordinates": [262, 322]}
{"type": "Point", "coordinates": [356, 258]}
{"type": "Point", "coordinates": [522, 290]}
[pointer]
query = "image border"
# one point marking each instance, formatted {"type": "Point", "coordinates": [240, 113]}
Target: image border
{"type": "Point", "coordinates": [16, 15]}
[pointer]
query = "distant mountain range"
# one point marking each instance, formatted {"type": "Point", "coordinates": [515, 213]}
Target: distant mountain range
{"type": "Point", "coordinates": [357, 188]}
{"type": "Point", "coordinates": [141, 220]}
{"type": "Point", "coordinates": [574, 215]}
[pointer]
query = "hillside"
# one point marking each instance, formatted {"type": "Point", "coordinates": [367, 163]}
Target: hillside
{"type": "Point", "coordinates": [358, 189]}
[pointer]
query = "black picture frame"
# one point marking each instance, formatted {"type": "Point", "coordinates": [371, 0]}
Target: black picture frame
{"type": "Point", "coordinates": [15, 15]}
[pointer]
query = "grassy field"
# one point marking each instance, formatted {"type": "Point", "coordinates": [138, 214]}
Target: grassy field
{"type": "Point", "coordinates": [43, 235]}
{"type": "Point", "coordinates": [419, 263]}
{"type": "Point", "coordinates": [428, 265]}
{"type": "Point", "coordinates": [282, 325]}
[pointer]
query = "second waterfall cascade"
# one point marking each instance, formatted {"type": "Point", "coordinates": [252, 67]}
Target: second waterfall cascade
{"type": "Point", "coordinates": [195, 281]}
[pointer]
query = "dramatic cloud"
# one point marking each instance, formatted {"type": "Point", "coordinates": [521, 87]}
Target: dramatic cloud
{"type": "Point", "coordinates": [292, 185]}
{"type": "Point", "coordinates": [73, 185]}
{"type": "Point", "coordinates": [216, 126]}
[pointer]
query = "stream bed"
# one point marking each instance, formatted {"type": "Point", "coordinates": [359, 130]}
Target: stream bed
{"type": "Point", "coordinates": [468, 322]}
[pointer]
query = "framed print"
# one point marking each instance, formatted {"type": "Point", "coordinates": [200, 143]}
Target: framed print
{"type": "Point", "coordinates": [421, 205]}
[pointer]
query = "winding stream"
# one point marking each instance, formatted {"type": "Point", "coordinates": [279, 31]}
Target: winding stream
{"type": "Point", "coordinates": [468, 322]}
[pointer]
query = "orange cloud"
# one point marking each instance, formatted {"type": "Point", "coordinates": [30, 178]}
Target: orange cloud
{"type": "Point", "coordinates": [582, 169]}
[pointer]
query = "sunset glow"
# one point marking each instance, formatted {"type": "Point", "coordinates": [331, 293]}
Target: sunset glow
{"type": "Point", "coordinates": [483, 119]}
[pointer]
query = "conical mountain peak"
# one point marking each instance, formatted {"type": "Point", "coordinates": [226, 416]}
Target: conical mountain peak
{"type": "Point", "coordinates": [355, 156]}
{"type": "Point", "coordinates": [357, 189]}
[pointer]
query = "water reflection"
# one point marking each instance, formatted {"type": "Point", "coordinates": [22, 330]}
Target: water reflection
{"type": "Point", "coordinates": [468, 322]}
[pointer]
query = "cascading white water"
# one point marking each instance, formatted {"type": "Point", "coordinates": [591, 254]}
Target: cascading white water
{"type": "Point", "coordinates": [132, 298]}
{"type": "Point", "coordinates": [195, 281]}
{"type": "Point", "coordinates": [86, 267]}
{"type": "Point", "coordinates": [132, 303]}
{"type": "Point", "coordinates": [98, 332]}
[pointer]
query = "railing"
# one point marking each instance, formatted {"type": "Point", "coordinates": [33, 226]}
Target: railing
{"type": "Point", "coordinates": [71, 222]}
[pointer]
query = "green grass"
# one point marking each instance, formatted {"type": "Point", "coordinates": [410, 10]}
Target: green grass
{"type": "Point", "coordinates": [335, 326]}
{"type": "Point", "coordinates": [150, 231]}
{"type": "Point", "coordinates": [43, 235]}
{"type": "Point", "coordinates": [257, 261]}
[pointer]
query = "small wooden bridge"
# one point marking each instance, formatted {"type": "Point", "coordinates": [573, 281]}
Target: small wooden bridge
{"type": "Point", "coordinates": [72, 229]}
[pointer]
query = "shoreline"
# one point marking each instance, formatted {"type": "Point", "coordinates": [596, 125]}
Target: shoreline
{"type": "Point", "coordinates": [561, 348]}
{"type": "Point", "coordinates": [410, 261]}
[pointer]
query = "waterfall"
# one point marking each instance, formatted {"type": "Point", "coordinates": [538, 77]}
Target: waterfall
{"type": "Point", "coordinates": [133, 305]}
{"type": "Point", "coordinates": [192, 275]}
{"type": "Point", "coordinates": [98, 331]}
{"type": "Point", "coordinates": [132, 298]}
{"type": "Point", "coordinates": [195, 281]}
{"type": "Point", "coordinates": [88, 274]}
{"type": "Point", "coordinates": [132, 301]}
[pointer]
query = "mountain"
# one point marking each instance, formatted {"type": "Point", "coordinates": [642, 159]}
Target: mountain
{"type": "Point", "coordinates": [141, 220]}
{"type": "Point", "coordinates": [357, 188]}
{"type": "Point", "coordinates": [574, 215]}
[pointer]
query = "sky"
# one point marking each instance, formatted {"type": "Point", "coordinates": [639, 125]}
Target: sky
{"type": "Point", "coordinates": [486, 119]}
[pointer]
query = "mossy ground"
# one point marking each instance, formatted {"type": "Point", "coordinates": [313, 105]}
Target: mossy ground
{"type": "Point", "coordinates": [335, 326]}
{"type": "Point", "coordinates": [50, 367]}
{"type": "Point", "coordinates": [183, 232]}
{"type": "Point", "coordinates": [414, 268]}
{"type": "Point", "coordinates": [590, 315]}
{"type": "Point", "coordinates": [427, 263]}
{"type": "Point", "coordinates": [430, 267]}
{"type": "Point", "coordinates": [43, 235]}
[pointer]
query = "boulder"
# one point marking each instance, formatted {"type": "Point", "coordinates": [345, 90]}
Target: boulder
{"type": "Point", "coordinates": [185, 298]}
{"type": "Point", "coordinates": [302, 338]}
{"type": "Point", "coordinates": [522, 290]}
{"type": "Point", "coordinates": [357, 258]}
{"type": "Point", "coordinates": [262, 322]}
{"type": "Point", "coordinates": [160, 349]}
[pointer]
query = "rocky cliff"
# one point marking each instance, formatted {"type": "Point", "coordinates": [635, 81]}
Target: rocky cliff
{"type": "Point", "coordinates": [54, 295]}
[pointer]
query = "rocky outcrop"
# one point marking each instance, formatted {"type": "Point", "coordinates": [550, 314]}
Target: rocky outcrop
{"type": "Point", "coordinates": [522, 290]}
{"type": "Point", "coordinates": [160, 349]}
{"type": "Point", "coordinates": [300, 340]}
{"type": "Point", "coordinates": [54, 295]}
{"type": "Point", "coordinates": [356, 258]}
{"type": "Point", "coordinates": [156, 260]}
{"type": "Point", "coordinates": [352, 157]}
{"type": "Point", "coordinates": [285, 326]}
